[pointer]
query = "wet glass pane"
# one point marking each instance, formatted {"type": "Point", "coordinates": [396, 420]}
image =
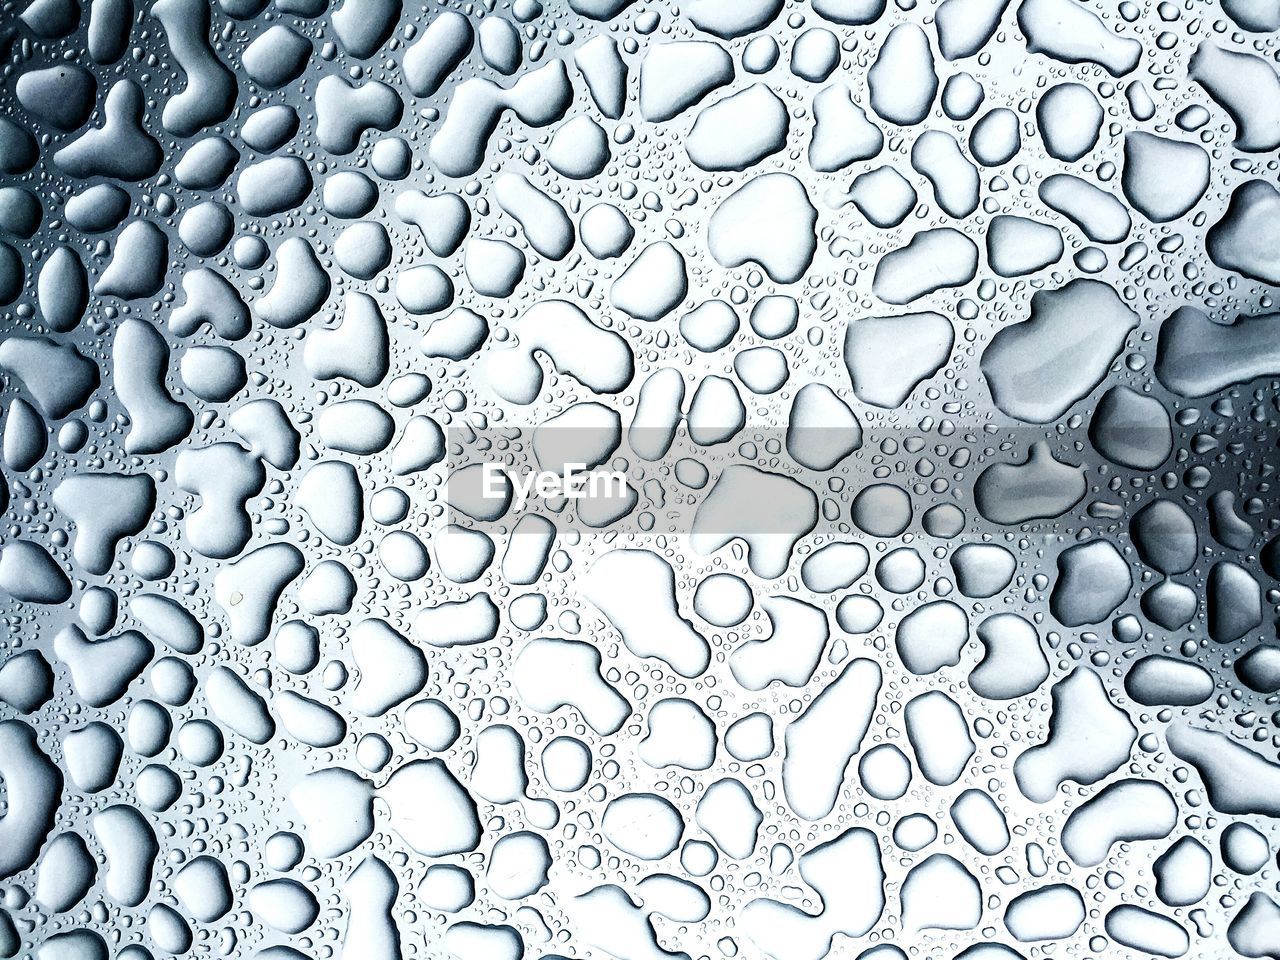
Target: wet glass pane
{"type": "Point", "coordinates": [639, 478]}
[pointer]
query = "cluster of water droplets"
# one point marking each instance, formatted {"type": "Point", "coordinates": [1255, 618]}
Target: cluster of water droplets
{"type": "Point", "coordinates": [935, 342]}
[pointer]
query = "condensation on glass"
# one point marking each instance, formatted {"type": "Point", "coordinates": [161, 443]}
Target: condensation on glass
{"type": "Point", "coordinates": [926, 353]}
